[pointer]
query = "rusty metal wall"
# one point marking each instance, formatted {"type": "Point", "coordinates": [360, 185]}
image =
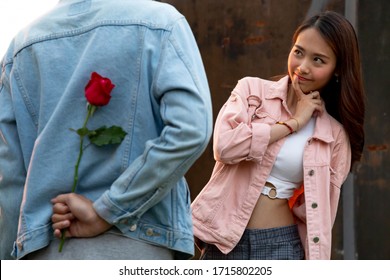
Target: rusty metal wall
{"type": "Point", "coordinates": [253, 38]}
{"type": "Point", "coordinates": [373, 177]}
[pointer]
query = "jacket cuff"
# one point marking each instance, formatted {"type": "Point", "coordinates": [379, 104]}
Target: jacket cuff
{"type": "Point", "coordinates": [261, 134]}
{"type": "Point", "coordinates": [110, 212]}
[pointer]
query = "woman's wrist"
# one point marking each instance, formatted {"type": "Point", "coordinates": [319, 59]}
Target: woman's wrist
{"type": "Point", "coordinates": [295, 124]}
{"type": "Point", "coordinates": [285, 124]}
{"type": "Point", "coordinates": [291, 124]}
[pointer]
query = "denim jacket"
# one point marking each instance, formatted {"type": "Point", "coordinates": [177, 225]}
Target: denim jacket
{"type": "Point", "coordinates": [161, 100]}
{"type": "Point", "coordinates": [245, 158]}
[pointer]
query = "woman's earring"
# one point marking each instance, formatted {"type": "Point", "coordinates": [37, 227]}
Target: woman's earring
{"type": "Point", "coordinates": [337, 78]}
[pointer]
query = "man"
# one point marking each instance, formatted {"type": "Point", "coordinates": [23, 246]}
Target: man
{"type": "Point", "coordinates": [131, 201]}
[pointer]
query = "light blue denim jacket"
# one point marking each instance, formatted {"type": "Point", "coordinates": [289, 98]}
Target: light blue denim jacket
{"type": "Point", "coordinates": [161, 100]}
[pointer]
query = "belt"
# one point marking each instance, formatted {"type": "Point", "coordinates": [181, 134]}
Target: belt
{"type": "Point", "coordinates": [270, 190]}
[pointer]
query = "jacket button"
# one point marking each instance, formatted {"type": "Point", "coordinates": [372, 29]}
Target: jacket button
{"type": "Point", "coordinates": [133, 228]}
{"type": "Point", "coordinates": [149, 232]}
{"type": "Point", "coordinates": [314, 205]}
{"type": "Point", "coordinates": [311, 172]}
{"type": "Point", "coordinates": [316, 239]}
{"type": "Point", "coordinates": [20, 245]}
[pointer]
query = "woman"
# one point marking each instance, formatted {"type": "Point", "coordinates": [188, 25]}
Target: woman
{"type": "Point", "coordinates": [283, 149]}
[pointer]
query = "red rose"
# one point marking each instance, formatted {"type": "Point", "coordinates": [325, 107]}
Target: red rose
{"type": "Point", "coordinates": [98, 90]}
{"type": "Point", "coordinates": [98, 93]}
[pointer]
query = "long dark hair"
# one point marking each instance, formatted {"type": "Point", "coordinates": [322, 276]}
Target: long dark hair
{"type": "Point", "coordinates": [344, 95]}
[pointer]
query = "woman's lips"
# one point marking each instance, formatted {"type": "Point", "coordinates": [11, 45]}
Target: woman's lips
{"type": "Point", "coordinates": [303, 79]}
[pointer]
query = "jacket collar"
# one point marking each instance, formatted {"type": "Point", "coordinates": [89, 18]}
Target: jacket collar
{"type": "Point", "coordinates": [323, 128]}
{"type": "Point", "coordinates": [278, 89]}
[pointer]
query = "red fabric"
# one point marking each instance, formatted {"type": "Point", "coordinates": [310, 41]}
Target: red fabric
{"type": "Point", "coordinates": [293, 199]}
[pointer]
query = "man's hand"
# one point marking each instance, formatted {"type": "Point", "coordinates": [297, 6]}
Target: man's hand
{"type": "Point", "coordinates": [75, 214]}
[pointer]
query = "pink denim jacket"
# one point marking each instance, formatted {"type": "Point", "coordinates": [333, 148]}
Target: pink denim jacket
{"type": "Point", "coordinates": [244, 159]}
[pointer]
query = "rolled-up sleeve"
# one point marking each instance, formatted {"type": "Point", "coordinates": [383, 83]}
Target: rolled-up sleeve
{"type": "Point", "coordinates": [236, 138]}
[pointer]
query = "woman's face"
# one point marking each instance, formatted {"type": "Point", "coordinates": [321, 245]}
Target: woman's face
{"type": "Point", "coordinates": [312, 60]}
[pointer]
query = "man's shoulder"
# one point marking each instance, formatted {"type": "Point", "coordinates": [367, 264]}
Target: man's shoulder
{"type": "Point", "coordinates": [147, 11]}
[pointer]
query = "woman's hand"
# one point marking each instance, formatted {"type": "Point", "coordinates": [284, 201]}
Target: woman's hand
{"type": "Point", "coordinates": [75, 214]}
{"type": "Point", "coordinates": [308, 105]}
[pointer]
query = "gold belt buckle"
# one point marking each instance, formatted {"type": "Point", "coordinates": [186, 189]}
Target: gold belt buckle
{"type": "Point", "coordinates": [272, 194]}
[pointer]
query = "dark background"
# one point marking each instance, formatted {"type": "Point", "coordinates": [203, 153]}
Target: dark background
{"type": "Point", "coordinates": [253, 38]}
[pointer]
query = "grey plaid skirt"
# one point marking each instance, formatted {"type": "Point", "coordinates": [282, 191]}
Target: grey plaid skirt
{"type": "Point", "coordinates": [282, 243]}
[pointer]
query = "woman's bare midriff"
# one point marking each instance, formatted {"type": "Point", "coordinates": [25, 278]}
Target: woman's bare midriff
{"type": "Point", "coordinates": [270, 213]}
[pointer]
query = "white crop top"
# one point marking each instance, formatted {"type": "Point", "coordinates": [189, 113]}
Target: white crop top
{"type": "Point", "coordinates": [287, 173]}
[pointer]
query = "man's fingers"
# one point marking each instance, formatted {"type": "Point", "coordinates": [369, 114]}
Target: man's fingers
{"type": "Point", "coordinates": [62, 198]}
{"type": "Point", "coordinates": [61, 224]}
{"type": "Point", "coordinates": [58, 233]}
{"type": "Point", "coordinates": [60, 208]}
{"type": "Point", "coordinates": [56, 218]}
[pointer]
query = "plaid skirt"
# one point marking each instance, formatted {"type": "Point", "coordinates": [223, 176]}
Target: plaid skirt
{"type": "Point", "coordinates": [282, 243]}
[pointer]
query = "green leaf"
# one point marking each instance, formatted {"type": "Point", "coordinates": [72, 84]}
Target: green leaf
{"type": "Point", "coordinates": [105, 136]}
{"type": "Point", "coordinates": [83, 131]}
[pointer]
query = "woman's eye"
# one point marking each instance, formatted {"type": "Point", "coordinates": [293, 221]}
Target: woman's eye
{"type": "Point", "coordinates": [319, 60]}
{"type": "Point", "coordinates": [297, 52]}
